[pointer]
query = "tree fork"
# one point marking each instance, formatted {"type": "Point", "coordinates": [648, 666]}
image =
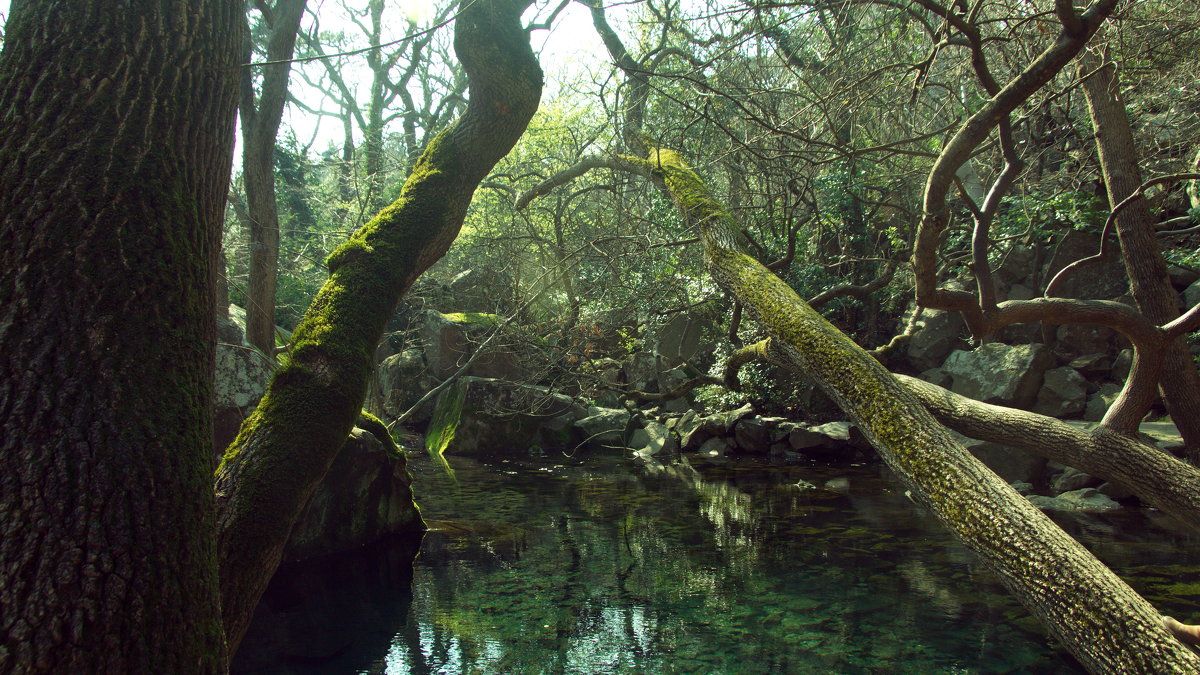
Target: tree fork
{"type": "Point", "coordinates": [287, 444]}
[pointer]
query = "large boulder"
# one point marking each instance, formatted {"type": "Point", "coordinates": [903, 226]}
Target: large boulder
{"type": "Point", "coordinates": [242, 373]}
{"type": "Point", "coordinates": [1009, 463]}
{"type": "Point", "coordinates": [1191, 295]}
{"type": "Point", "coordinates": [999, 373]}
{"type": "Point", "coordinates": [451, 339]}
{"type": "Point", "coordinates": [653, 439]}
{"type": "Point", "coordinates": [502, 416]}
{"type": "Point", "coordinates": [403, 379]}
{"type": "Point", "coordinates": [1063, 393]}
{"type": "Point", "coordinates": [939, 334]}
{"type": "Point", "coordinates": [364, 497]}
{"type": "Point", "coordinates": [604, 428]}
{"type": "Point", "coordinates": [1098, 282]}
{"type": "Point", "coordinates": [679, 340]}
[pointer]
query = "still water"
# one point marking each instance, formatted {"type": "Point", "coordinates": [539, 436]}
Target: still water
{"type": "Point", "coordinates": [592, 565]}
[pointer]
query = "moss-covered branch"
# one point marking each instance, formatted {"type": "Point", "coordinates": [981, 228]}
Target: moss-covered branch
{"type": "Point", "coordinates": [1103, 622]}
{"type": "Point", "coordinates": [312, 402]}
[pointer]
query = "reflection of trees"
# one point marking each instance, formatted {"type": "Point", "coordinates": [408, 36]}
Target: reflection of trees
{"type": "Point", "coordinates": [691, 571]}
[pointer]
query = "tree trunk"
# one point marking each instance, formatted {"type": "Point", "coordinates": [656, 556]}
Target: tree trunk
{"type": "Point", "coordinates": [1103, 622]}
{"type": "Point", "coordinates": [1147, 270]}
{"type": "Point", "coordinates": [114, 164]}
{"type": "Point", "coordinates": [260, 126]}
{"type": "Point", "coordinates": [287, 444]}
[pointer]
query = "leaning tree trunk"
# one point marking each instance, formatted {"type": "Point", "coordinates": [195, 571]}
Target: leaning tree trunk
{"type": "Point", "coordinates": [287, 444]}
{"type": "Point", "coordinates": [1148, 279]}
{"type": "Point", "coordinates": [1103, 622]}
{"type": "Point", "coordinates": [118, 122]}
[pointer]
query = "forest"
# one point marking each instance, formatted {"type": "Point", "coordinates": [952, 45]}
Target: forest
{"type": "Point", "coordinates": [524, 336]}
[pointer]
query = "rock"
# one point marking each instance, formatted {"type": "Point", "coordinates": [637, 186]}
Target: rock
{"type": "Point", "coordinates": [1115, 491]}
{"type": "Point", "coordinates": [1099, 282]}
{"type": "Point", "coordinates": [1063, 393]}
{"type": "Point", "coordinates": [679, 340]}
{"type": "Point", "coordinates": [1019, 292]}
{"type": "Point", "coordinates": [939, 335]}
{"type": "Point", "coordinates": [502, 416]}
{"type": "Point", "coordinates": [714, 447]}
{"type": "Point", "coordinates": [641, 371]}
{"type": "Point", "coordinates": [999, 373]}
{"type": "Point", "coordinates": [1015, 267]}
{"type": "Point", "coordinates": [450, 339]}
{"type": "Point", "coordinates": [604, 427]}
{"type": "Point", "coordinates": [1092, 364]}
{"type": "Point", "coordinates": [1022, 487]}
{"type": "Point", "coordinates": [364, 497]}
{"type": "Point", "coordinates": [1072, 479]}
{"type": "Point", "coordinates": [1087, 499]}
{"type": "Point", "coordinates": [1086, 338]}
{"type": "Point", "coordinates": [937, 376]}
{"type": "Point", "coordinates": [653, 439]}
{"type": "Point", "coordinates": [241, 377]}
{"type": "Point", "coordinates": [833, 431]}
{"type": "Point", "coordinates": [1099, 402]}
{"type": "Point", "coordinates": [1011, 464]}
{"type": "Point", "coordinates": [1182, 277]}
{"type": "Point", "coordinates": [1121, 365]}
{"type": "Point", "coordinates": [1191, 295]}
{"type": "Point", "coordinates": [753, 435]}
{"type": "Point", "coordinates": [1164, 434]}
{"type": "Point", "coordinates": [802, 438]}
{"type": "Point", "coordinates": [403, 379]}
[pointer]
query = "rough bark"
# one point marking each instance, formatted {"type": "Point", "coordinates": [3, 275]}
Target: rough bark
{"type": "Point", "coordinates": [1105, 624]}
{"type": "Point", "coordinates": [1144, 263]}
{"type": "Point", "coordinates": [1158, 478]}
{"type": "Point", "coordinates": [114, 164]}
{"type": "Point", "coordinates": [260, 126]}
{"type": "Point", "coordinates": [287, 444]}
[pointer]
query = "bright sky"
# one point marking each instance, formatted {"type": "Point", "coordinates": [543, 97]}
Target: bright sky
{"type": "Point", "coordinates": [571, 47]}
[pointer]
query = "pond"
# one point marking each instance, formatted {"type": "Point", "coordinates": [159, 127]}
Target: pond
{"type": "Point", "coordinates": [594, 565]}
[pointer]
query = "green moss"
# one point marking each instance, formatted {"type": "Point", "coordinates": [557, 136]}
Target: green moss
{"type": "Point", "coordinates": [473, 318]}
{"type": "Point", "coordinates": [371, 423]}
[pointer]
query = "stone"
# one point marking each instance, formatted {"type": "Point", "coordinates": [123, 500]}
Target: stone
{"type": "Point", "coordinates": [940, 334]}
{"type": "Point", "coordinates": [364, 497]}
{"type": "Point", "coordinates": [1191, 295]}
{"type": "Point", "coordinates": [1019, 292]}
{"type": "Point", "coordinates": [679, 340]}
{"type": "Point", "coordinates": [1087, 499]}
{"type": "Point", "coordinates": [1099, 402]}
{"type": "Point", "coordinates": [653, 439]}
{"type": "Point", "coordinates": [1086, 339]}
{"type": "Point", "coordinates": [752, 435]}
{"type": "Point", "coordinates": [1121, 365]}
{"type": "Point", "coordinates": [402, 380]}
{"type": "Point", "coordinates": [1072, 479]}
{"type": "Point", "coordinates": [503, 416]}
{"type": "Point", "coordinates": [1063, 393]}
{"type": "Point", "coordinates": [1016, 265]}
{"type": "Point", "coordinates": [803, 438]}
{"type": "Point", "coordinates": [1000, 374]}
{"type": "Point", "coordinates": [1092, 364]}
{"type": "Point", "coordinates": [604, 427]}
{"type": "Point", "coordinates": [1011, 464]}
{"type": "Point", "coordinates": [1098, 282]}
{"type": "Point", "coordinates": [1182, 277]}
{"type": "Point", "coordinates": [450, 339]}
{"type": "Point", "coordinates": [713, 447]}
{"type": "Point", "coordinates": [937, 376]}
{"type": "Point", "coordinates": [241, 377]}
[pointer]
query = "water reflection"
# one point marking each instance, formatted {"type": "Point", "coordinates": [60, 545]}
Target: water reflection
{"type": "Point", "coordinates": [592, 566]}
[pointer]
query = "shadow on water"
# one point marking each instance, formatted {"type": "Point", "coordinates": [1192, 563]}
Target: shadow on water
{"type": "Point", "coordinates": [563, 565]}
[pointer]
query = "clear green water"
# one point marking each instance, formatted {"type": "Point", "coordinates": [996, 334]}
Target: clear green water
{"type": "Point", "coordinates": [562, 565]}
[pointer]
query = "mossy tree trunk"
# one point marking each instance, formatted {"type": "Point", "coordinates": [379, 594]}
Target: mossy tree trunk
{"type": "Point", "coordinates": [1103, 622]}
{"type": "Point", "coordinates": [117, 123]}
{"type": "Point", "coordinates": [287, 444]}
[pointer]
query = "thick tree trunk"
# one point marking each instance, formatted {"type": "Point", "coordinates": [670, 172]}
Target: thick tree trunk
{"type": "Point", "coordinates": [114, 165]}
{"type": "Point", "coordinates": [287, 444]}
{"type": "Point", "coordinates": [1148, 279]}
{"type": "Point", "coordinates": [1103, 622]}
{"type": "Point", "coordinates": [260, 126]}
